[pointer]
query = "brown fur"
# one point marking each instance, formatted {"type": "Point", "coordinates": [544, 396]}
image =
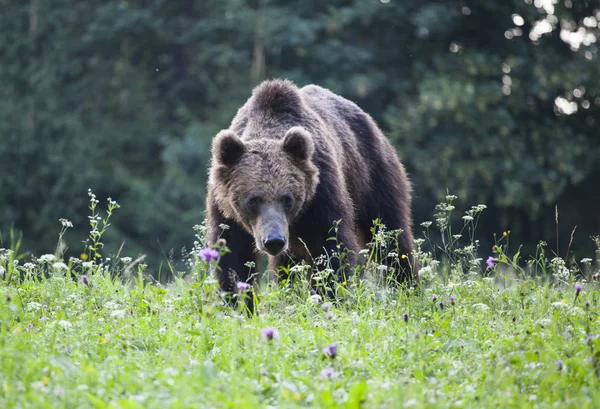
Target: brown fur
{"type": "Point", "coordinates": [324, 152]}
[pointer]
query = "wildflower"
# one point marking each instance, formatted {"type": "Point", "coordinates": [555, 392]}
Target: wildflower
{"type": "Point", "coordinates": [314, 299]}
{"type": "Point", "coordinates": [241, 286]}
{"type": "Point", "coordinates": [468, 218]}
{"type": "Point", "coordinates": [84, 280]}
{"type": "Point", "coordinates": [577, 290]}
{"type": "Point", "coordinates": [208, 254]}
{"type": "Point", "coordinates": [451, 300]}
{"type": "Point", "coordinates": [588, 340]}
{"type": "Point", "coordinates": [504, 234]}
{"type": "Point", "coordinates": [405, 318]}
{"type": "Point", "coordinates": [65, 324]}
{"type": "Point", "coordinates": [326, 307]}
{"type": "Point", "coordinates": [263, 372]}
{"type": "Point", "coordinates": [330, 316]}
{"type": "Point", "coordinates": [2, 271]}
{"type": "Point", "coordinates": [434, 297]}
{"type": "Point", "coordinates": [46, 258]}
{"type": "Point", "coordinates": [426, 224]}
{"type": "Point", "coordinates": [382, 267]}
{"type": "Point", "coordinates": [403, 256]}
{"type": "Point", "coordinates": [355, 332]}
{"type": "Point", "coordinates": [586, 260]}
{"type": "Point", "coordinates": [330, 351]}
{"type": "Point", "coordinates": [559, 365]}
{"type": "Point", "coordinates": [65, 223]}
{"type": "Point", "coordinates": [269, 333]}
{"type": "Point", "coordinates": [328, 372]}
{"type": "Point", "coordinates": [442, 306]}
{"type": "Point", "coordinates": [344, 283]}
{"type": "Point", "coordinates": [491, 262]}
{"type": "Point", "coordinates": [60, 266]}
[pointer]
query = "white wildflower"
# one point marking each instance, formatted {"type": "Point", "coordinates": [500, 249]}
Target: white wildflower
{"type": "Point", "coordinates": [481, 306]}
{"type": "Point", "coordinates": [171, 372]}
{"type": "Point", "coordinates": [2, 271]}
{"type": "Point", "coordinates": [559, 304]}
{"type": "Point", "coordinates": [392, 254]}
{"type": "Point", "coordinates": [434, 263]}
{"type": "Point", "coordinates": [426, 224]}
{"type": "Point", "coordinates": [46, 258]}
{"type": "Point", "coordinates": [65, 223]}
{"type": "Point", "coordinates": [427, 273]}
{"type": "Point", "coordinates": [586, 260]}
{"type": "Point", "coordinates": [64, 324]}
{"type": "Point", "coordinates": [457, 236]}
{"type": "Point", "coordinates": [126, 260]}
{"type": "Point", "coordinates": [60, 266]}
{"type": "Point", "coordinates": [118, 313]}
{"type": "Point", "coordinates": [111, 305]}
{"type": "Point", "coordinates": [314, 299]}
{"type": "Point", "coordinates": [382, 267]}
{"type": "Point", "coordinates": [476, 261]}
{"type": "Point", "coordinates": [87, 264]}
{"type": "Point", "coordinates": [364, 252]}
{"type": "Point", "coordinates": [468, 218]}
{"type": "Point", "coordinates": [34, 306]}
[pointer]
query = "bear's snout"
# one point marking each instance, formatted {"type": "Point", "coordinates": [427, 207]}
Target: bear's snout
{"type": "Point", "coordinates": [274, 244]}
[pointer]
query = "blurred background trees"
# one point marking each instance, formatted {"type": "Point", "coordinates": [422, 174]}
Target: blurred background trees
{"type": "Point", "coordinates": [496, 101]}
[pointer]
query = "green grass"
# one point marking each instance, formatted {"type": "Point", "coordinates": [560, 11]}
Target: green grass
{"type": "Point", "coordinates": [110, 344]}
{"type": "Point", "coordinates": [518, 335]}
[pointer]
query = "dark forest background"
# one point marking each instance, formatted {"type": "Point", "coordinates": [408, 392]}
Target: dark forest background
{"type": "Point", "coordinates": [496, 101]}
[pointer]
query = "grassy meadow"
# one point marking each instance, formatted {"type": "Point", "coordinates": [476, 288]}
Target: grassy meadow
{"type": "Point", "coordinates": [486, 328]}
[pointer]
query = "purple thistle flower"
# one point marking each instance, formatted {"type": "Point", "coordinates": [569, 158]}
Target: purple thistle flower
{"type": "Point", "coordinates": [588, 339]}
{"type": "Point", "coordinates": [269, 333]}
{"type": "Point", "coordinates": [491, 262]}
{"type": "Point", "coordinates": [330, 351]}
{"type": "Point", "coordinates": [559, 365]}
{"type": "Point", "coordinates": [452, 300]}
{"type": "Point", "coordinates": [330, 316]}
{"type": "Point", "coordinates": [434, 297]}
{"type": "Point", "coordinates": [209, 254]}
{"type": "Point", "coordinates": [405, 318]}
{"type": "Point", "coordinates": [577, 290]}
{"type": "Point", "coordinates": [263, 372]}
{"type": "Point", "coordinates": [326, 306]}
{"type": "Point", "coordinates": [243, 286]}
{"type": "Point", "coordinates": [328, 372]}
{"type": "Point", "coordinates": [84, 280]}
{"type": "Point", "coordinates": [442, 305]}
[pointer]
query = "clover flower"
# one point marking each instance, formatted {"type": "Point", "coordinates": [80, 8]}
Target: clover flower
{"type": "Point", "coordinates": [241, 286]}
{"type": "Point", "coordinates": [491, 262]}
{"type": "Point", "coordinates": [326, 307]}
{"type": "Point", "coordinates": [208, 254]}
{"type": "Point", "coordinates": [330, 351]}
{"type": "Point", "coordinates": [328, 372]}
{"type": "Point", "coordinates": [269, 333]}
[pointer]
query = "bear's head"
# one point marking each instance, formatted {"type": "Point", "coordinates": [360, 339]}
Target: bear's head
{"type": "Point", "coordinates": [264, 184]}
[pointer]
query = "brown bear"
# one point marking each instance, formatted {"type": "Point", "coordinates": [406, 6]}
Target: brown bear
{"type": "Point", "coordinates": [293, 162]}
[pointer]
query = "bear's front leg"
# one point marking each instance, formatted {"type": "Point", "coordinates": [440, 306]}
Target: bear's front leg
{"type": "Point", "coordinates": [232, 266]}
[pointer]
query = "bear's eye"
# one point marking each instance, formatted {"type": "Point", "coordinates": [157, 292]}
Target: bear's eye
{"type": "Point", "coordinates": [253, 201]}
{"type": "Point", "coordinates": [287, 200]}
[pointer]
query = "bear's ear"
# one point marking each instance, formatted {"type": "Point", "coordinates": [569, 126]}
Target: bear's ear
{"type": "Point", "coordinates": [227, 148]}
{"type": "Point", "coordinates": [298, 143]}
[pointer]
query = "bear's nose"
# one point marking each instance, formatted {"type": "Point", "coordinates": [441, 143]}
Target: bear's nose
{"type": "Point", "coordinates": [274, 244]}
